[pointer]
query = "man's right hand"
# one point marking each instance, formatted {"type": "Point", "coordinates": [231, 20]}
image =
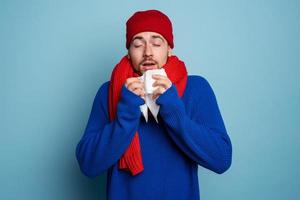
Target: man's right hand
{"type": "Point", "coordinates": [136, 86]}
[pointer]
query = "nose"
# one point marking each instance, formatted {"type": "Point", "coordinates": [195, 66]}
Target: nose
{"type": "Point", "coordinates": [148, 51]}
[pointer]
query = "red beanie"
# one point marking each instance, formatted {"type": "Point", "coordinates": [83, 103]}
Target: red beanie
{"type": "Point", "coordinates": [149, 20]}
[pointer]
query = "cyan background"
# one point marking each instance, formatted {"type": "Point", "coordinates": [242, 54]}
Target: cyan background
{"type": "Point", "coordinates": [54, 55]}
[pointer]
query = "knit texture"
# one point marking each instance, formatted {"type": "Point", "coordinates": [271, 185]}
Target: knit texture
{"type": "Point", "coordinates": [190, 132]}
{"type": "Point", "coordinates": [149, 20]}
{"type": "Point", "coordinates": [176, 72]}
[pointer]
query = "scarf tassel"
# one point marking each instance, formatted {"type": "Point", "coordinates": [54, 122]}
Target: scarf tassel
{"type": "Point", "coordinates": [132, 159]}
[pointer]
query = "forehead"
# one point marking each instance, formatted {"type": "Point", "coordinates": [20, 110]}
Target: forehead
{"type": "Point", "coordinates": [147, 35]}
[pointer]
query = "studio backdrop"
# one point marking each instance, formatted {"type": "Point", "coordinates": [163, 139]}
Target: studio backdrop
{"type": "Point", "coordinates": [54, 56]}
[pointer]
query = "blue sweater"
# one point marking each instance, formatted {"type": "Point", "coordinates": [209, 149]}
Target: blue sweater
{"type": "Point", "coordinates": [190, 132]}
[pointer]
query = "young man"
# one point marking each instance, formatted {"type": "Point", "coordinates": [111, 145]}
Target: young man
{"type": "Point", "coordinates": [153, 159]}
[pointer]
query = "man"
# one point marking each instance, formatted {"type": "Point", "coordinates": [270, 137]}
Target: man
{"type": "Point", "coordinates": [146, 159]}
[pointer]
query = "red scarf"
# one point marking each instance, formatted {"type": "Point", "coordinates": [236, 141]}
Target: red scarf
{"type": "Point", "coordinates": [176, 72]}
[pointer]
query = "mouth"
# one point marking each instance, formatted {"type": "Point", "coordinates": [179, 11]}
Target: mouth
{"type": "Point", "coordinates": [148, 65]}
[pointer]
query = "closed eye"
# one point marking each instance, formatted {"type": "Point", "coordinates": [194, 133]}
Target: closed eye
{"type": "Point", "coordinates": [137, 46]}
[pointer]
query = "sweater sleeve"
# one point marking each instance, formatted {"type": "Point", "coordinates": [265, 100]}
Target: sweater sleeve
{"type": "Point", "coordinates": [201, 135]}
{"type": "Point", "coordinates": [104, 142]}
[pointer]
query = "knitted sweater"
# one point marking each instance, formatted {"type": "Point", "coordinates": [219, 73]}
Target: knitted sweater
{"type": "Point", "coordinates": [190, 132]}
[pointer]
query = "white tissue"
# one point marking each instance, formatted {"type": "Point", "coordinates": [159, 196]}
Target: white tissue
{"type": "Point", "coordinates": [149, 102]}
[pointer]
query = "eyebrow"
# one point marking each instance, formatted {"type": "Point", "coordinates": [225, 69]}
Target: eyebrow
{"type": "Point", "coordinates": [157, 36]}
{"type": "Point", "coordinates": [152, 36]}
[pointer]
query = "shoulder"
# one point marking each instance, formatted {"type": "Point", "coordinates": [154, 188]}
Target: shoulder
{"type": "Point", "coordinates": [103, 89]}
{"type": "Point", "coordinates": [197, 79]}
{"type": "Point", "coordinates": [197, 82]}
{"type": "Point", "coordinates": [199, 97]}
{"type": "Point", "coordinates": [199, 90]}
{"type": "Point", "coordinates": [101, 96]}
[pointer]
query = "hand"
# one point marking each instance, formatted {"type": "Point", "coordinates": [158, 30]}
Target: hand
{"type": "Point", "coordinates": [162, 82]}
{"type": "Point", "coordinates": [136, 86]}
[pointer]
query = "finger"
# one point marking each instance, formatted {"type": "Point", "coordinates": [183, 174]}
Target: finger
{"type": "Point", "coordinates": [158, 76]}
{"type": "Point", "coordinates": [161, 77]}
{"type": "Point", "coordinates": [131, 80]}
{"type": "Point", "coordinates": [134, 85]}
{"type": "Point", "coordinates": [164, 83]}
{"type": "Point", "coordinates": [158, 91]}
{"type": "Point", "coordinates": [139, 92]}
{"type": "Point", "coordinates": [159, 83]}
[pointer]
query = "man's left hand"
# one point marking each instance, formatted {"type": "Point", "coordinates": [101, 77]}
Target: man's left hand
{"type": "Point", "coordinates": [162, 82]}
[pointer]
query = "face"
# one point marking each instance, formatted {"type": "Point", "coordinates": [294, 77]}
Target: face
{"type": "Point", "coordinates": [148, 50]}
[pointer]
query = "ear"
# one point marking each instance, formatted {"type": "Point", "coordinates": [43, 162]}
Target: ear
{"type": "Point", "coordinates": [128, 56]}
{"type": "Point", "coordinates": [169, 51]}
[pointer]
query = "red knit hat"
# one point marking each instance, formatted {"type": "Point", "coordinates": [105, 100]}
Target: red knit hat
{"type": "Point", "coordinates": [149, 20]}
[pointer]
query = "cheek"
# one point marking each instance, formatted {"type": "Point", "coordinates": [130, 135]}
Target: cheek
{"type": "Point", "coordinates": [136, 57]}
{"type": "Point", "coordinates": [161, 56]}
